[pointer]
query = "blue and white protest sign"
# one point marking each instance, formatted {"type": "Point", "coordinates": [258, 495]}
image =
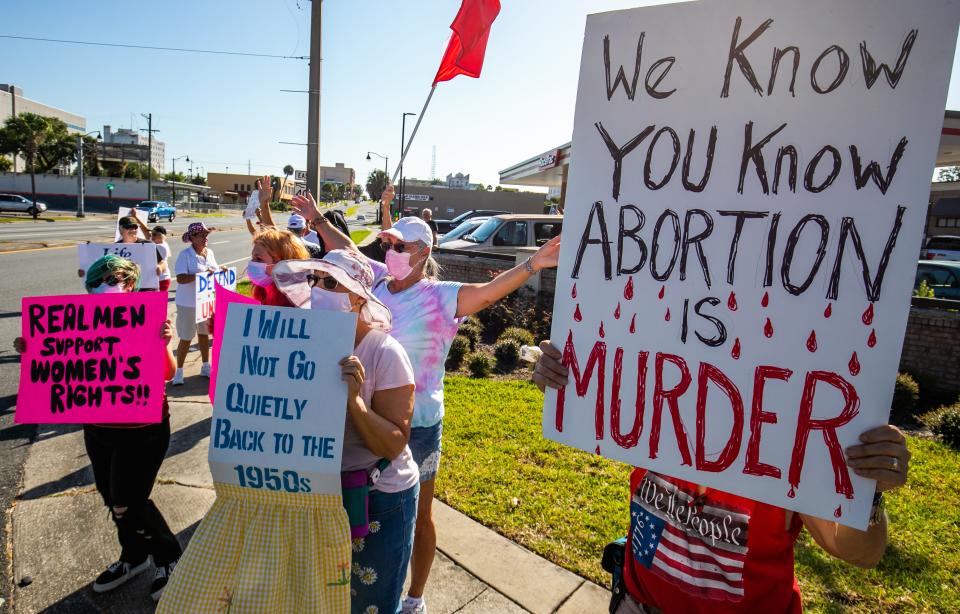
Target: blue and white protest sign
{"type": "Point", "coordinates": [281, 405]}
{"type": "Point", "coordinates": [207, 290]}
{"type": "Point", "coordinates": [144, 254]}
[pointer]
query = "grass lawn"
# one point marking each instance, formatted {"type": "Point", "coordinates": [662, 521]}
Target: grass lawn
{"type": "Point", "coordinates": [14, 220]}
{"type": "Point", "coordinates": [359, 235]}
{"type": "Point", "coordinates": [566, 505]}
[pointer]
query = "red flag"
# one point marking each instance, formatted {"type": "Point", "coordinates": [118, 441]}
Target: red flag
{"type": "Point", "coordinates": [468, 43]}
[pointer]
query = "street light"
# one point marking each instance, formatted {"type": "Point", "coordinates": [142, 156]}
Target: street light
{"type": "Point", "coordinates": [173, 186]}
{"type": "Point", "coordinates": [80, 203]}
{"type": "Point", "coordinates": [386, 163]}
{"type": "Point", "coordinates": [403, 143]}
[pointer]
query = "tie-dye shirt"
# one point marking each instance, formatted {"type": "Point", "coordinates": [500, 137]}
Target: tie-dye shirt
{"type": "Point", "coordinates": [425, 323]}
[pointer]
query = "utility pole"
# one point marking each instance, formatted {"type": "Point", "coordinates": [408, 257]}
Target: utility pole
{"type": "Point", "coordinates": [313, 109]}
{"type": "Point", "coordinates": [13, 105]}
{"type": "Point", "coordinates": [80, 212]}
{"type": "Point", "coordinates": [150, 131]}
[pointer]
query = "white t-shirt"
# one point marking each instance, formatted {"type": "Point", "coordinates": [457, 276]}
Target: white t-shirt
{"type": "Point", "coordinates": [189, 262]}
{"type": "Point", "coordinates": [385, 366]}
{"type": "Point", "coordinates": [164, 250]}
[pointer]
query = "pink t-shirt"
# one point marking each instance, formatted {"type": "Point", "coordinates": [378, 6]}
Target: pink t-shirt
{"type": "Point", "coordinates": [385, 366]}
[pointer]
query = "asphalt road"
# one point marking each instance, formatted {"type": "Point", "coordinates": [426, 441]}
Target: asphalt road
{"type": "Point", "coordinates": [53, 271]}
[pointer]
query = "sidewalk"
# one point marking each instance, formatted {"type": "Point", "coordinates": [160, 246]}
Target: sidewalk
{"type": "Point", "coordinates": [62, 535]}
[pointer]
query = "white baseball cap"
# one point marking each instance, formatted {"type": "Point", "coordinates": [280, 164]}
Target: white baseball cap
{"type": "Point", "coordinates": [409, 229]}
{"type": "Point", "coordinates": [297, 222]}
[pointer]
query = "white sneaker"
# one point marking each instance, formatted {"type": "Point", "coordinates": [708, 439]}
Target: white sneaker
{"type": "Point", "coordinates": [414, 606]}
{"type": "Point", "coordinates": [177, 378]}
{"type": "Point", "coordinates": [205, 370]}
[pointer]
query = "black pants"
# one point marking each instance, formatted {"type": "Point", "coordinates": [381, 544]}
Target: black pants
{"type": "Point", "coordinates": [125, 464]}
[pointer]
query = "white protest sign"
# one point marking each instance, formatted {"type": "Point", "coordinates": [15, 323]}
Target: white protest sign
{"type": "Point", "coordinates": [207, 291]}
{"type": "Point", "coordinates": [741, 237]}
{"type": "Point", "coordinates": [141, 215]}
{"type": "Point", "coordinates": [281, 405]}
{"type": "Point", "coordinates": [144, 254]}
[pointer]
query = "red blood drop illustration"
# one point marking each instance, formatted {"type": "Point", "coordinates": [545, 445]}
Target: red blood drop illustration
{"type": "Point", "coordinates": [766, 299]}
{"type": "Point", "coordinates": [735, 352]}
{"type": "Point", "coordinates": [628, 290]}
{"type": "Point", "coordinates": [854, 364]}
{"type": "Point", "coordinates": [828, 311]}
{"type": "Point", "coordinates": [837, 512]}
{"type": "Point", "coordinates": [662, 291]}
{"type": "Point", "coordinates": [812, 341]}
{"type": "Point", "coordinates": [872, 341]}
{"type": "Point", "coordinates": [667, 316]}
{"type": "Point", "coordinates": [868, 315]}
{"type": "Point", "coordinates": [602, 334]}
{"type": "Point", "coordinates": [633, 323]}
{"type": "Point", "coordinates": [616, 313]}
{"type": "Point", "coordinates": [768, 329]}
{"type": "Point", "coordinates": [792, 493]}
{"type": "Point", "coordinates": [573, 293]}
{"type": "Point", "coordinates": [732, 302]}
{"type": "Point", "coordinates": [577, 315]}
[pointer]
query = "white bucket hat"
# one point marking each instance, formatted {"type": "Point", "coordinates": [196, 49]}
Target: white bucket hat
{"type": "Point", "coordinates": [349, 268]}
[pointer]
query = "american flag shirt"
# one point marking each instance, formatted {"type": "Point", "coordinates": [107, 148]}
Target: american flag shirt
{"type": "Point", "coordinates": [713, 552]}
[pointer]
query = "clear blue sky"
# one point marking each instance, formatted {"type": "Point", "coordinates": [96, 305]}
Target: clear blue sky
{"type": "Point", "coordinates": [380, 57]}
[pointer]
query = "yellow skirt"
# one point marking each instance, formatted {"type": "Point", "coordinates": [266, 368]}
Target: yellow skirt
{"type": "Point", "coordinates": [260, 551]}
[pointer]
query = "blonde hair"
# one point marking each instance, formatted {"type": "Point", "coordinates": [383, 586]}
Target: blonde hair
{"type": "Point", "coordinates": [281, 244]}
{"type": "Point", "coordinates": [431, 268]}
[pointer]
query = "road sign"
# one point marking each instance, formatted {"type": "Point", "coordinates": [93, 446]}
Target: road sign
{"type": "Point", "coordinates": [301, 190]}
{"type": "Point", "coordinates": [299, 175]}
{"type": "Point", "coordinates": [421, 197]}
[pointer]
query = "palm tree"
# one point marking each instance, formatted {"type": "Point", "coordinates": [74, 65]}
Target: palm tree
{"type": "Point", "coordinates": [25, 134]}
{"type": "Point", "coordinates": [287, 171]}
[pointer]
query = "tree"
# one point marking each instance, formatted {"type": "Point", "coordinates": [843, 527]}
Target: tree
{"type": "Point", "coordinates": [24, 135]}
{"type": "Point", "coordinates": [376, 184]}
{"type": "Point", "coordinates": [950, 173]}
{"type": "Point", "coordinates": [175, 177]}
{"type": "Point", "coordinates": [134, 170]}
{"type": "Point", "coordinates": [482, 188]}
{"type": "Point", "coordinates": [287, 171]}
{"type": "Point", "coordinates": [58, 148]}
{"type": "Point", "coordinates": [5, 164]}
{"type": "Point", "coordinates": [91, 163]}
{"type": "Point", "coordinates": [198, 180]}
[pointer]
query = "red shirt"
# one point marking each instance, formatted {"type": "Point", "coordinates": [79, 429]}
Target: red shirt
{"type": "Point", "coordinates": [712, 553]}
{"type": "Point", "coordinates": [270, 296]}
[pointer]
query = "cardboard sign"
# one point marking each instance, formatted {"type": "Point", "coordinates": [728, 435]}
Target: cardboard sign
{"type": "Point", "coordinates": [141, 215]}
{"type": "Point", "coordinates": [281, 404]}
{"type": "Point", "coordinates": [253, 203]}
{"type": "Point", "coordinates": [144, 254]}
{"type": "Point", "coordinates": [741, 238]}
{"type": "Point", "coordinates": [207, 290]}
{"type": "Point", "coordinates": [223, 298]}
{"type": "Point", "coordinates": [92, 359]}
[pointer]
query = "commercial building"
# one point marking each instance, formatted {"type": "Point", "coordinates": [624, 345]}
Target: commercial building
{"type": "Point", "coordinates": [461, 182]}
{"type": "Point", "coordinates": [125, 145]}
{"type": "Point", "coordinates": [235, 188]}
{"type": "Point", "coordinates": [447, 204]}
{"type": "Point", "coordinates": [13, 103]}
{"type": "Point", "coordinates": [338, 174]}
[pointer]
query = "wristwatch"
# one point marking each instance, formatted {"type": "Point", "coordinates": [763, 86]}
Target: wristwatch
{"type": "Point", "coordinates": [877, 511]}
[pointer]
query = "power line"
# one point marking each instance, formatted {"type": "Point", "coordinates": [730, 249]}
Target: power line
{"type": "Point", "coordinates": [152, 48]}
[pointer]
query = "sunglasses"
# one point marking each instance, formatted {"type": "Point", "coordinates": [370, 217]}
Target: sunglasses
{"type": "Point", "coordinates": [398, 247]}
{"type": "Point", "coordinates": [111, 281]}
{"type": "Point", "coordinates": [328, 283]}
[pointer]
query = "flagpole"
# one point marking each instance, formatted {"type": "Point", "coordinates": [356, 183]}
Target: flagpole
{"type": "Point", "coordinates": [403, 156]}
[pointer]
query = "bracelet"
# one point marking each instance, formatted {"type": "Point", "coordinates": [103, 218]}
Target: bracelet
{"type": "Point", "coordinates": [528, 265]}
{"type": "Point", "coordinates": [876, 511]}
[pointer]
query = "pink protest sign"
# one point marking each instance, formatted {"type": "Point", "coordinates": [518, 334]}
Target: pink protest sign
{"type": "Point", "coordinates": [92, 359]}
{"type": "Point", "coordinates": [222, 300]}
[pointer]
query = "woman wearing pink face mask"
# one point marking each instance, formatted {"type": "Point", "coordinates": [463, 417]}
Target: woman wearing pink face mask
{"type": "Point", "coordinates": [126, 459]}
{"type": "Point", "coordinates": [271, 246]}
{"type": "Point", "coordinates": [426, 315]}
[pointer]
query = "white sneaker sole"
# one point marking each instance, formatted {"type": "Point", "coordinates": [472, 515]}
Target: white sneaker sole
{"type": "Point", "coordinates": [134, 571]}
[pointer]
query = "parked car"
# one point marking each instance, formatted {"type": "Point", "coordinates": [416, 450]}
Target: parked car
{"type": "Point", "coordinates": [445, 226]}
{"type": "Point", "coordinates": [158, 209]}
{"type": "Point", "coordinates": [15, 202]}
{"type": "Point", "coordinates": [943, 247]}
{"type": "Point", "coordinates": [361, 218]}
{"type": "Point", "coordinates": [505, 233]}
{"type": "Point", "coordinates": [941, 277]}
{"type": "Point", "coordinates": [464, 228]}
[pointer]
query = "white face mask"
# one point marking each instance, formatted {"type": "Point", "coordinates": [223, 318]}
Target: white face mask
{"type": "Point", "coordinates": [398, 265]}
{"type": "Point", "coordinates": [259, 274]}
{"type": "Point", "coordinates": [105, 288]}
{"type": "Point", "coordinates": [321, 298]}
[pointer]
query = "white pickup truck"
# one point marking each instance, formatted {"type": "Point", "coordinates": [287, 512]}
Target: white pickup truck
{"type": "Point", "coordinates": [943, 247]}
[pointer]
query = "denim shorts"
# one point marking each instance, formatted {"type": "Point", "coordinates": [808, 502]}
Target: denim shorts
{"type": "Point", "coordinates": [425, 447]}
{"type": "Point", "coordinates": [381, 558]}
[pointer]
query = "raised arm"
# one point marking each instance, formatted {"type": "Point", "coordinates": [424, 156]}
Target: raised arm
{"type": "Point", "coordinates": [266, 216]}
{"type": "Point", "coordinates": [474, 297]}
{"type": "Point", "coordinates": [386, 221]}
{"type": "Point", "coordinates": [332, 237]}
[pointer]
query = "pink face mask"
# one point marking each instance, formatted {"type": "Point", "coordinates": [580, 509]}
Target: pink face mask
{"type": "Point", "coordinates": [259, 274]}
{"type": "Point", "coordinates": [398, 265]}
